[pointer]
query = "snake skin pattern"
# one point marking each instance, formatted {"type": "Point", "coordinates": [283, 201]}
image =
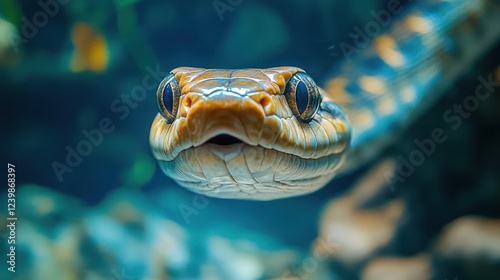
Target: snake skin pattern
{"type": "Point", "coordinates": [272, 133]}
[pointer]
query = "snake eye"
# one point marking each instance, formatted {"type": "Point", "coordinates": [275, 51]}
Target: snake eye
{"type": "Point", "coordinates": [302, 96]}
{"type": "Point", "coordinates": [168, 94]}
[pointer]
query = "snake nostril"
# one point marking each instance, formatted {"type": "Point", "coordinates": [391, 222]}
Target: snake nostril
{"type": "Point", "coordinates": [187, 102]}
{"type": "Point", "coordinates": [265, 101]}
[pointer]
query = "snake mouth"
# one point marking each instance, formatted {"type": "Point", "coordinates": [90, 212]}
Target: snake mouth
{"type": "Point", "coordinates": [224, 140]}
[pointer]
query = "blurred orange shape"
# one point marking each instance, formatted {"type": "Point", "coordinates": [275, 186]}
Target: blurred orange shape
{"type": "Point", "coordinates": [91, 49]}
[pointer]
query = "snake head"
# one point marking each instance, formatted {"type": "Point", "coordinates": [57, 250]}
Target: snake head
{"type": "Point", "coordinates": [251, 134]}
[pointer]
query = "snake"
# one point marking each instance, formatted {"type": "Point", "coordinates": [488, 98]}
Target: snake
{"type": "Point", "coordinates": [264, 134]}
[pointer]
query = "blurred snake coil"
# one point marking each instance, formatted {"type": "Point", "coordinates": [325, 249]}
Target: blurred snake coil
{"type": "Point", "coordinates": [263, 134]}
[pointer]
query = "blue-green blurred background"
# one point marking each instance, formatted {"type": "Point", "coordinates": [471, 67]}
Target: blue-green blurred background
{"type": "Point", "coordinates": [68, 72]}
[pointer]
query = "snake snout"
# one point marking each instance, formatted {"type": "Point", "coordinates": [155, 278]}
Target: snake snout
{"type": "Point", "coordinates": [225, 118]}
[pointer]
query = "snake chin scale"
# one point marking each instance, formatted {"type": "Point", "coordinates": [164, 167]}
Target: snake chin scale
{"type": "Point", "coordinates": [249, 172]}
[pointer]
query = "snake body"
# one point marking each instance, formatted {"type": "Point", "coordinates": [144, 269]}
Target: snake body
{"type": "Point", "coordinates": [271, 133]}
